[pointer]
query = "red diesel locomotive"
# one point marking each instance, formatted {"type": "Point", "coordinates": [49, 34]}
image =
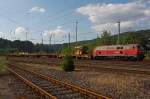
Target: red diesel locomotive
{"type": "Point", "coordinates": [127, 52]}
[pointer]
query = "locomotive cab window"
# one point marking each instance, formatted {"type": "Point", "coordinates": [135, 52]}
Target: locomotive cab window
{"type": "Point", "coordinates": [119, 47]}
{"type": "Point", "coordinates": [140, 47]}
{"type": "Point", "coordinates": [133, 47]}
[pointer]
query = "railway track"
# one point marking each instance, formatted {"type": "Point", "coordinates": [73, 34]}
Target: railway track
{"type": "Point", "coordinates": [50, 88]}
{"type": "Point", "coordinates": [92, 62]}
{"type": "Point", "coordinates": [98, 64]}
{"type": "Point", "coordinates": [79, 62]}
{"type": "Point", "coordinates": [116, 70]}
{"type": "Point", "coordinates": [109, 69]}
{"type": "Point", "coordinates": [109, 66]}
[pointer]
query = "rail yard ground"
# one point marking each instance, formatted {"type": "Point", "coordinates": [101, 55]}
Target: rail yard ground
{"type": "Point", "coordinates": [114, 84]}
{"type": "Point", "coordinates": [117, 86]}
{"type": "Point", "coordinates": [88, 74]}
{"type": "Point", "coordinates": [5, 90]}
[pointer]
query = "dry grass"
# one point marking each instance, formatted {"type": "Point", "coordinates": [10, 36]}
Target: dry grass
{"type": "Point", "coordinates": [119, 86]}
{"type": "Point", "coordinates": [39, 66]}
{"type": "Point", "coordinates": [3, 64]}
{"type": "Point", "coordinates": [120, 81]}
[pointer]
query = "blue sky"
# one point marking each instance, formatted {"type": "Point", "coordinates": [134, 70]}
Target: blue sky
{"type": "Point", "coordinates": [57, 18]}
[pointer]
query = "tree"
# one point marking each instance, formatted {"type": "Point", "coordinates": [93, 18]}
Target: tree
{"type": "Point", "coordinates": [85, 49]}
{"type": "Point", "coordinates": [130, 38]}
{"type": "Point", "coordinates": [105, 38]}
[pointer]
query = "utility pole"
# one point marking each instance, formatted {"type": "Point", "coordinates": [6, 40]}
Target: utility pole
{"type": "Point", "coordinates": [26, 36]}
{"type": "Point", "coordinates": [69, 41]}
{"type": "Point", "coordinates": [42, 38]}
{"type": "Point", "coordinates": [54, 38]}
{"type": "Point", "coordinates": [14, 35]}
{"type": "Point", "coordinates": [76, 37]}
{"type": "Point", "coordinates": [27, 49]}
{"type": "Point", "coordinates": [76, 33]}
{"type": "Point", "coordinates": [9, 43]}
{"type": "Point", "coordinates": [42, 41]}
{"type": "Point", "coordinates": [118, 40]}
{"type": "Point", "coordinates": [97, 35]}
{"type": "Point", "coordinates": [50, 39]}
{"type": "Point", "coordinates": [10, 34]}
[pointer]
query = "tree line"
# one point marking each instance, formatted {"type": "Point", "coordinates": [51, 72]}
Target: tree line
{"type": "Point", "coordinates": [106, 38]}
{"type": "Point", "coordinates": [17, 46]}
{"type": "Point", "coordinates": [141, 37]}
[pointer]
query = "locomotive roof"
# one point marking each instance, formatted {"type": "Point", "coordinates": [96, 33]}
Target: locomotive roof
{"type": "Point", "coordinates": [114, 46]}
{"type": "Point", "coordinates": [119, 45]}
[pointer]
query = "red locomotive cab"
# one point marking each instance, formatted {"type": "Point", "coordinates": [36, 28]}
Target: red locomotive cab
{"type": "Point", "coordinates": [140, 49]}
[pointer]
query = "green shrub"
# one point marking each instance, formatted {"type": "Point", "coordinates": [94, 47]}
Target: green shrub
{"type": "Point", "coordinates": [68, 63]}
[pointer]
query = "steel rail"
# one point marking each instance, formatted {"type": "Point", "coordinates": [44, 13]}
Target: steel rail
{"type": "Point", "coordinates": [134, 70]}
{"type": "Point", "coordinates": [32, 86]}
{"type": "Point", "coordinates": [118, 70]}
{"type": "Point", "coordinates": [82, 90]}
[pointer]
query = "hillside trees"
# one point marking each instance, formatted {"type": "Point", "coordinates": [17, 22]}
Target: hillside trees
{"type": "Point", "coordinates": [130, 38]}
{"type": "Point", "coordinates": [105, 39]}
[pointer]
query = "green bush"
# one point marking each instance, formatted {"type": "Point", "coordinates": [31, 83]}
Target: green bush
{"type": "Point", "coordinates": [68, 63]}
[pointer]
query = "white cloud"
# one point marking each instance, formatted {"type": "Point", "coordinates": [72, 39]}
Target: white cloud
{"type": "Point", "coordinates": [113, 27]}
{"type": "Point", "coordinates": [58, 32]}
{"type": "Point", "coordinates": [37, 9]}
{"type": "Point", "coordinates": [20, 32]}
{"type": "Point", "coordinates": [105, 16]}
{"type": "Point", "coordinates": [59, 35]}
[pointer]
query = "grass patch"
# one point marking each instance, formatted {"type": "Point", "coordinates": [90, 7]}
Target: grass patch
{"type": "Point", "coordinates": [3, 64]}
{"type": "Point", "coordinates": [55, 68]}
{"type": "Point", "coordinates": [147, 56]}
{"type": "Point", "coordinates": [40, 66]}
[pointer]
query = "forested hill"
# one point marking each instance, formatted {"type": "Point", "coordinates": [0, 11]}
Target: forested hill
{"type": "Point", "coordinates": [7, 46]}
{"type": "Point", "coordinates": [142, 37]}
